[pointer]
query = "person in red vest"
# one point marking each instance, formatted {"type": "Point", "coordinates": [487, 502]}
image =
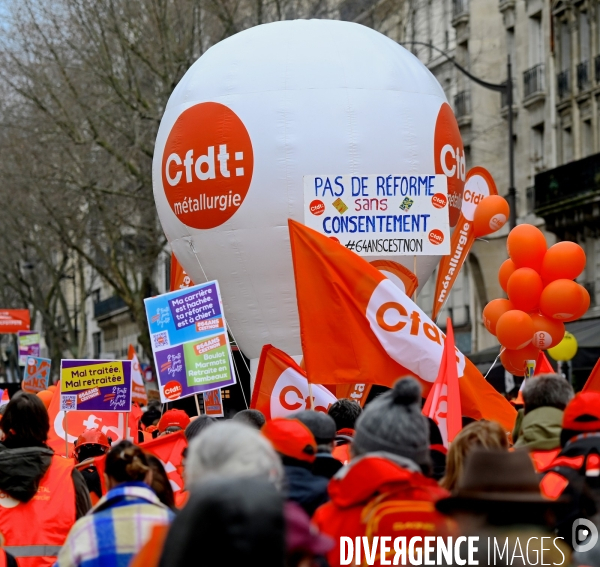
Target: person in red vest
{"type": "Point", "coordinates": [90, 444]}
{"type": "Point", "coordinates": [383, 491]}
{"type": "Point", "coordinates": [41, 494]}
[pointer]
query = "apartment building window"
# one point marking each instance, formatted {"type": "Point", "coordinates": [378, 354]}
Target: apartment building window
{"type": "Point", "coordinates": [567, 144]}
{"type": "Point", "coordinates": [468, 158]}
{"type": "Point", "coordinates": [536, 45]}
{"type": "Point", "coordinates": [97, 344]}
{"type": "Point", "coordinates": [597, 58]}
{"type": "Point", "coordinates": [511, 46]}
{"type": "Point", "coordinates": [583, 74]}
{"type": "Point", "coordinates": [537, 148]}
{"type": "Point", "coordinates": [564, 44]}
{"type": "Point", "coordinates": [587, 140]}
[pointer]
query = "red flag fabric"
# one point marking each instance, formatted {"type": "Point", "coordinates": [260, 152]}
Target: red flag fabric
{"type": "Point", "coordinates": [138, 390]}
{"type": "Point", "coordinates": [592, 384]}
{"type": "Point", "coordinates": [111, 423]}
{"type": "Point", "coordinates": [179, 277]}
{"type": "Point", "coordinates": [443, 403]}
{"type": "Point", "coordinates": [169, 449]}
{"type": "Point", "coordinates": [281, 386]}
{"type": "Point", "coordinates": [133, 421]}
{"type": "Point", "coordinates": [543, 366]}
{"type": "Point", "coordinates": [357, 326]}
{"type": "Point", "coordinates": [357, 392]}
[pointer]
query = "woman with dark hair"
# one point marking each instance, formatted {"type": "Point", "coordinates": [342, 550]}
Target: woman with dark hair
{"type": "Point", "coordinates": [161, 483]}
{"type": "Point", "coordinates": [122, 521]}
{"type": "Point", "coordinates": [41, 493]}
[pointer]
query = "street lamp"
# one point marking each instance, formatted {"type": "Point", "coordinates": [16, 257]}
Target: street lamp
{"type": "Point", "coordinates": [507, 89]}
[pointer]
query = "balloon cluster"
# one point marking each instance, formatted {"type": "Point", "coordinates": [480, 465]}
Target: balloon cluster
{"type": "Point", "coordinates": [542, 296]}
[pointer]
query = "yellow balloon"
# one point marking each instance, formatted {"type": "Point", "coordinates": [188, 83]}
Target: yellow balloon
{"type": "Point", "coordinates": [565, 350]}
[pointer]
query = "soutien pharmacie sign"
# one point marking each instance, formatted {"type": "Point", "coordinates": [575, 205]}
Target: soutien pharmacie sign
{"type": "Point", "coordinates": [389, 214]}
{"type": "Point", "coordinates": [450, 551]}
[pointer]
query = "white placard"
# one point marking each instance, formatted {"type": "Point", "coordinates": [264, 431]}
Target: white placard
{"type": "Point", "coordinates": [374, 215]}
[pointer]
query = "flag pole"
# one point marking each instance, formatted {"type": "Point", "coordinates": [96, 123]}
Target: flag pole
{"type": "Point", "coordinates": [197, 404]}
{"type": "Point", "coordinates": [66, 434]}
{"type": "Point", "coordinates": [125, 425]}
{"type": "Point", "coordinates": [310, 396]}
{"type": "Point", "coordinates": [415, 272]}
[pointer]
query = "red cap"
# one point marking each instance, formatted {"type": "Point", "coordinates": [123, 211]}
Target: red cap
{"type": "Point", "coordinates": [92, 437]}
{"type": "Point", "coordinates": [583, 412]}
{"type": "Point", "coordinates": [173, 418]}
{"type": "Point", "coordinates": [291, 438]}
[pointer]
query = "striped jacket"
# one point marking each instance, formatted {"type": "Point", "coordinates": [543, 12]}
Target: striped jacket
{"type": "Point", "coordinates": [115, 529]}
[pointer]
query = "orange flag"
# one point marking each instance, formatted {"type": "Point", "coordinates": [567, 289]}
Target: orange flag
{"type": "Point", "coordinates": [281, 386]}
{"type": "Point", "coordinates": [138, 391]}
{"type": "Point", "coordinates": [443, 402]}
{"type": "Point", "coordinates": [356, 326]}
{"type": "Point", "coordinates": [179, 277]}
{"type": "Point", "coordinates": [357, 392]}
{"type": "Point", "coordinates": [478, 185]}
{"type": "Point", "coordinates": [592, 384]}
{"type": "Point", "coordinates": [169, 449]}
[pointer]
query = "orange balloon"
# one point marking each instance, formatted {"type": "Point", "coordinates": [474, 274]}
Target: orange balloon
{"type": "Point", "coordinates": [508, 365]}
{"type": "Point", "coordinates": [524, 289]}
{"type": "Point", "coordinates": [46, 397]}
{"type": "Point", "coordinates": [526, 246]}
{"type": "Point", "coordinates": [564, 300]}
{"type": "Point", "coordinates": [490, 215]}
{"type": "Point", "coordinates": [493, 311]}
{"type": "Point", "coordinates": [514, 329]}
{"type": "Point", "coordinates": [547, 332]}
{"type": "Point", "coordinates": [563, 261]}
{"type": "Point", "coordinates": [515, 361]}
{"type": "Point", "coordinates": [506, 270]}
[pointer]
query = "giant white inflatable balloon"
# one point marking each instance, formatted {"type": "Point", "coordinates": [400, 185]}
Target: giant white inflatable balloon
{"type": "Point", "coordinates": [264, 108]}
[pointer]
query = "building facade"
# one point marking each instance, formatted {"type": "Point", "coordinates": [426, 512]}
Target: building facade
{"type": "Point", "coordinates": [554, 54]}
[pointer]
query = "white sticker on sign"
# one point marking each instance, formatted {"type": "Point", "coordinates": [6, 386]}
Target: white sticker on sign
{"type": "Point", "coordinates": [380, 215]}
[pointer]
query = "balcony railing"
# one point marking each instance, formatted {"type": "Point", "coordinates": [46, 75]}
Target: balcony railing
{"type": "Point", "coordinates": [568, 185]}
{"type": "Point", "coordinates": [534, 81]}
{"type": "Point", "coordinates": [597, 68]}
{"type": "Point", "coordinates": [462, 104]}
{"type": "Point", "coordinates": [564, 88]}
{"type": "Point", "coordinates": [583, 76]}
{"type": "Point", "coordinates": [460, 8]}
{"type": "Point", "coordinates": [108, 306]}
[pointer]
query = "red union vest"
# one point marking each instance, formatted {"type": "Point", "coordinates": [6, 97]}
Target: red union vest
{"type": "Point", "coordinates": [35, 531]}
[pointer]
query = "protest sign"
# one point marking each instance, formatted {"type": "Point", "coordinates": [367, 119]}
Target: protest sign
{"type": "Point", "coordinates": [29, 345]}
{"type": "Point", "coordinates": [14, 320]}
{"type": "Point", "coordinates": [99, 385]}
{"type": "Point", "coordinates": [380, 214]}
{"type": "Point", "coordinates": [36, 374]}
{"type": "Point", "coordinates": [189, 341]}
{"type": "Point", "coordinates": [213, 403]}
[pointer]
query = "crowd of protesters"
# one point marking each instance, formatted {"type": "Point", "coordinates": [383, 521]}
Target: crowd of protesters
{"type": "Point", "coordinates": [281, 493]}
